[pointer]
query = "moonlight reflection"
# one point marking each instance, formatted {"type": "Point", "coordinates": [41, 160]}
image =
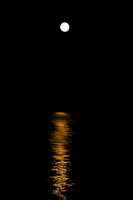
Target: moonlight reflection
{"type": "Point", "coordinates": [60, 141]}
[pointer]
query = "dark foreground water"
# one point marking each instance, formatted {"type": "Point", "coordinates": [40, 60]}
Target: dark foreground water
{"type": "Point", "coordinates": [78, 158]}
{"type": "Point", "coordinates": [63, 156]}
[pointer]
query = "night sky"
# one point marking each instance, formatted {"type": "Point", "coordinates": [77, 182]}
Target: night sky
{"type": "Point", "coordinates": [61, 70]}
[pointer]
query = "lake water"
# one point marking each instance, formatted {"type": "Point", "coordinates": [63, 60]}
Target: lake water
{"type": "Point", "coordinates": [60, 154]}
{"type": "Point", "coordinates": [75, 157]}
{"type": "Point", "coordinates": [63, 156]}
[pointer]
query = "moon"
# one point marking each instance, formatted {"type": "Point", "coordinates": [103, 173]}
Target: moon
{"type": "Point", "coordinates": [64, 27]}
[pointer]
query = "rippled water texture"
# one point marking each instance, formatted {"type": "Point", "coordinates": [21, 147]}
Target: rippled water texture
{"type": "Point", "coordinates": [60, 143]}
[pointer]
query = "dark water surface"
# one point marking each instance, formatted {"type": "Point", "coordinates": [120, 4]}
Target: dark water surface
{"type": "Point", "coordinates": [64, 156]}
{"type": "Point", "coordinates": [75, 158]}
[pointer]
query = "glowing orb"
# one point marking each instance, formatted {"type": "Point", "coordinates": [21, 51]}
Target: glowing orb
{"type": "Point", "coordinates": [64, 27]}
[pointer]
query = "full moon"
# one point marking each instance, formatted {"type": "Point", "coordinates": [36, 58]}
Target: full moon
{"type": "Point", "coordinates": [64, 27]}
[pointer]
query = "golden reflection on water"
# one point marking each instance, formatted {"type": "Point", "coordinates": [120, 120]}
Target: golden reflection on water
{"type": "Point", "coordinates": [60, 140]}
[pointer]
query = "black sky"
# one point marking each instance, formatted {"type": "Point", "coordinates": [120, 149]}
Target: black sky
{"type": "Point", "coordinates": [56, 70]}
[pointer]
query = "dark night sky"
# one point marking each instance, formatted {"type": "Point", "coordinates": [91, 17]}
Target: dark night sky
{"type": "Point", "coordinates": [58, 70]}
{"type": "Point", "coordinates": [69, 67]}
{"type": "Point", "coordinates": [51, 70]}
